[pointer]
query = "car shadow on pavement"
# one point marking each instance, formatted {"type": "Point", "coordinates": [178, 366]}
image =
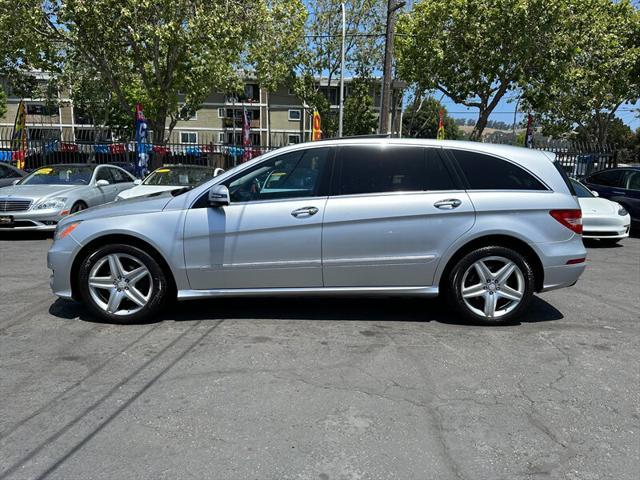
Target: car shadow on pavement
{"type": "Point", "coordinates": [24, 235]}
{"type": "Point", "coordinates": [392, 309]}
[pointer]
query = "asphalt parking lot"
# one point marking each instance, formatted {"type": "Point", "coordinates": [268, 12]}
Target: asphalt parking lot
{"type": "Point", "coordinates": [321, 389]}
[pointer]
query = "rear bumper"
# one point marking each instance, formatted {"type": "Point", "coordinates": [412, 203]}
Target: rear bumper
{"type": "Point", "coordinates": [554, 257]}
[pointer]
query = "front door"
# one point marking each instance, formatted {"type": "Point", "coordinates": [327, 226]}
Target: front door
{"type": "Point", "coordinates": [395, 211]}
{"type": "Point", "coordinates": [270, 234]}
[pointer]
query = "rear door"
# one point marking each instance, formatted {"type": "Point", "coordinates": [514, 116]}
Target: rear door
{"type": "Point", "coordinates": [393, 211]}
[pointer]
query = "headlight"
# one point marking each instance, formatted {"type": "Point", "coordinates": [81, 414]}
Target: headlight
{"type": "Point", "coordinates": [56, 203]}
{"type": "Point", "coordinates": [622, 212]}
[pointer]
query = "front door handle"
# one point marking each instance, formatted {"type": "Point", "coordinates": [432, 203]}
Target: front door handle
{"type": "Point", "coordinates": [448, 204]}
{"type": "Point", "coordinates": [304, 212]}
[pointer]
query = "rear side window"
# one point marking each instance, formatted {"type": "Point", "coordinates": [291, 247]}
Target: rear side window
{"type": "Point", "coordinates": [375, 169]}
{"type": "Point", "coordinates": [612, 178]}
{"type": "Point", "coordinates": [485, 172]}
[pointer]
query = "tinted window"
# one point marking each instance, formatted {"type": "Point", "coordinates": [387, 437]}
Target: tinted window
{"type": "Point", "coordinates": [179, 176]}
{"type": "Point", "coordinates": [119, 176]}
{"type": "Point", "coordinates": [4, 172]}
{"type": "Point", "coordinates": [291, 175]}
{"type": "Point", "coordinates": [633, 181]}
{"type": "Point", "coordinates": [104, 173]}
{"type": "Point", "coordinates": [485, 172]}
{"type": "Point", "coordinates": [581, 190]}
{"type": "Point", "coordinates": [374, 169]}
{"type": "Point", "coordinates": [610, 178]}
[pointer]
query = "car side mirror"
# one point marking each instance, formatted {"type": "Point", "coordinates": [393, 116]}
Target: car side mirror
{"type": "Point", "coordinates": [219, 196]}
{"type": "Point", "coordinates": [102, 183]}
{"type": "Point", "coordinates": [595, 194]}
{"type": "Point", "coordinates": [218, 171]}
{"type": "Point", "coordinates": [137, 181]}
{"type": "Point", "coordinates": [15, 182]}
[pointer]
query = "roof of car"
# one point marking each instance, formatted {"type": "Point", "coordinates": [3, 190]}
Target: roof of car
{"type": "Point", "coordinates": [88, 165]}
{"type": "Point", "coordinates": [506, 151]}
{"type": "Point", "coordinates": [181, 165]}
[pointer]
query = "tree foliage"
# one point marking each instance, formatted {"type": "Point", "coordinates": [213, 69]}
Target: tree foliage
{"type": "Point", "coordinates": [166, 54]}
{"type": "Point", "coordinates": [3, 102]}
{"type": "Point", "coordinates": [359, 117]}
{"type": "Point", "coordinates": [422, 117]}
{"type": "Point", "coordinates": [603, 75]}
{"type": "Point", "coordinates": [477, 51]}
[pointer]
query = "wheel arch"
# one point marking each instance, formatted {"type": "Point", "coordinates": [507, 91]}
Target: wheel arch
{"type": "Point", "coordinates": [124, 239]}
{"type": "Point", "coordinates": [500, 240]}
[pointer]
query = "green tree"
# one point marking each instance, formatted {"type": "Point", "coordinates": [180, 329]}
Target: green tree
{"type": "Point", "coordinates": [618, 133]}
{"type": "Point", "coordinates": [3, 102]}
{"type": "Point", "coordinates": [166, 54]}
{"type": "Point", "coordinates": [359, 117]}
{"type": "Point", "coordinates": [603, 75]}
{"type": "Point", "coordinates": [422, 117]}
{"type": "Point", "coordinates": [321, 59]}
{"type": "Point", "coordinates": [477, 51]}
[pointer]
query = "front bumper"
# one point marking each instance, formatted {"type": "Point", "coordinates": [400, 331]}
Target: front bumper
{"type": "Point", "coordinates": [32, 220]}
{"type": "Point", "coordinates": [59, 260]}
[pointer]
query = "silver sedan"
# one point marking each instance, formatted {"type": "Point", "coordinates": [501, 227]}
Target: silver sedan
{"type": "Point", "coordinates": [40, 200]}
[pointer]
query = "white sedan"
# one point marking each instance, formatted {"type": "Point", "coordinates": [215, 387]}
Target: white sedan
{"type": "Point", "coordinates": [170, 177]}
{"type": "Point", "coordinates": [602, 219]}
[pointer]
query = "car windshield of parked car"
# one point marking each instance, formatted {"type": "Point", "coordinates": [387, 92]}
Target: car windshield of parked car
{"type": "Point", "coordinates": [581, 190]}
{"type": "Point", "coordinates": [60, 175]}
{"type": "Point", "coordinates": [181, 177]}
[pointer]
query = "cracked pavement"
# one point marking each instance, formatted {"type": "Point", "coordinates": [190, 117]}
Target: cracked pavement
{"type": "Point", "coordinates": [321, 389]}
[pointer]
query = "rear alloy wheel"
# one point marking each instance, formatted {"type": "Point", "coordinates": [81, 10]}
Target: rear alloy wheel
{"type": "Point", "coordinates": [122, 284]}
{"type": "Point", "coordinates": [491, 285]}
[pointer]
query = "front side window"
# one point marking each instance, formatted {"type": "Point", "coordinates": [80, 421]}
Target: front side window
{"type": "Point", "coordinates": [104, 173]}
{"type": "Point", "coordinates": [611, 178]}
{"type": "Point", "coordinates": [380, 169]}
{"type": "Point", "coordinates": [60, 175]}
{"type": "Point", "coordinates": [633, 181]}
{"type": "Point", "coordinates": [291, 175]}
{"type": "Point", "coordinates": [119, 176]}
{"type": "Point", "coordinates": [485, 172]}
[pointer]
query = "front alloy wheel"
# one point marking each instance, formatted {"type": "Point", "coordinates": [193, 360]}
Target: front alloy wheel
{"type": "Point", "coordinates": [491, 285]}
{"type": "Point", "coordinates": [122, 284]}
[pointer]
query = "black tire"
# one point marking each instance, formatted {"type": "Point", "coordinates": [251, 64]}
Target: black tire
{"type": "Point", "coordinates": [78, 206]}
{"type": "Point", "coordinates": [453, 285]}
{"type": "Point", "coordinates": [158, 282]}
{"type": "Point", "coordinates": [609, 242]}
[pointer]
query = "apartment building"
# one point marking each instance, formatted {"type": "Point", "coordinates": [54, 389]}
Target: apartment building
{"type": "Point", "coordinates": [219, 121]}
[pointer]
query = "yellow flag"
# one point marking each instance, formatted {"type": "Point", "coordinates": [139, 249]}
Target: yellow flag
{"type": "Point", "coordinates": [316, 131]}
{"type": "Point", "coordinates": [19, 137]}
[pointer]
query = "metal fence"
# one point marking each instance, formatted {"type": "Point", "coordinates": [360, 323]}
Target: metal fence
{"type": "Point", "coordinates": [578, 159]}
{"type": "Point", "coordinates": [41, 152]}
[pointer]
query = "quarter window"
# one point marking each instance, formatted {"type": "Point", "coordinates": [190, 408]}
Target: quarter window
{"type": "Point", "coordinates": [375, 169]}
{"type": "Point", "coordinates": [611, 178]}
{"type": "Point", "coordinates": [291, 175]}
{"type": "Point", "coordinates": [485, 172]}
{"type": "Point", "coordinates": [633, 183]}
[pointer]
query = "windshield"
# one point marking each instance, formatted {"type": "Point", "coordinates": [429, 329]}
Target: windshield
{"type": "Point", "coordinates": [581, 190]}
{"type": "Point", "coordinates": [180, 177]}
{"type": "Point", "coordinates": [60, 175]}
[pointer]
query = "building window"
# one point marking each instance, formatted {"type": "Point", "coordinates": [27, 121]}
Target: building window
{"type": "Point", "coordinates": [41, 109]}
{"type": "Point", "coordinates": [188, 137]}
{"type": "Point", "coordinates": [292, 139]}
{"type": "Point", "coordinates": [294, 115]}
{"type": "Point", "coordinates": [222, 113]}
{"type": "Point", "coordinates": [221, 137]}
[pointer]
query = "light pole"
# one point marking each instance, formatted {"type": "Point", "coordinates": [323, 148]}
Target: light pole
{"type": "Point", "coordinates": [341, 108]}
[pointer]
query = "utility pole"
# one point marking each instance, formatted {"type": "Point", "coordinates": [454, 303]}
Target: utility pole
{"type": "Point", "coordinates": [344, 32]}
{"type": "Point", "coordinates": [392, 7]}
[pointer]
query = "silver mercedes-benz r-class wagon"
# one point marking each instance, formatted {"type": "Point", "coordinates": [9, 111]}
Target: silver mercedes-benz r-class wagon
{"type": "Point", "coordinates": [484, 225]}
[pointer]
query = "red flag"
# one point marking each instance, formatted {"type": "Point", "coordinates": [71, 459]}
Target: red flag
{"type": "Point", "coordinates": [528, 141]}
{"type": "Point", "coordinates": [246, 137]}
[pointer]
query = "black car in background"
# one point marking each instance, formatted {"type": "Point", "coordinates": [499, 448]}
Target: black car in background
{"type": "Point", "coordinates": [621, 185]}
{"type": "Point", "coordinates": [9, 174]}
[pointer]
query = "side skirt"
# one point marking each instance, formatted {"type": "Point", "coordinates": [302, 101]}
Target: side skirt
{"type": "Point", "coordinates": [309, 292]}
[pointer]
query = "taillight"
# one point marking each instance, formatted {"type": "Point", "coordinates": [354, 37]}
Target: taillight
{"type": "Point", "coordinates": [570, 218]}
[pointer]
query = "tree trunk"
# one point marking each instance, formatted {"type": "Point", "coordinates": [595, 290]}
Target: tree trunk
{"type": "Point", "coordinates": [483, 118]}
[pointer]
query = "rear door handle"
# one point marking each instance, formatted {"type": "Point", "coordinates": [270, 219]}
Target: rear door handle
{"type": "Point", "coordinates": [448, 204]}
{"type": "Point", "coordinates": [304, 212]}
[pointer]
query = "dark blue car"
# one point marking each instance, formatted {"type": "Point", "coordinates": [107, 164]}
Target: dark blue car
{"type": "Point", "coordinates": [621, 185]}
